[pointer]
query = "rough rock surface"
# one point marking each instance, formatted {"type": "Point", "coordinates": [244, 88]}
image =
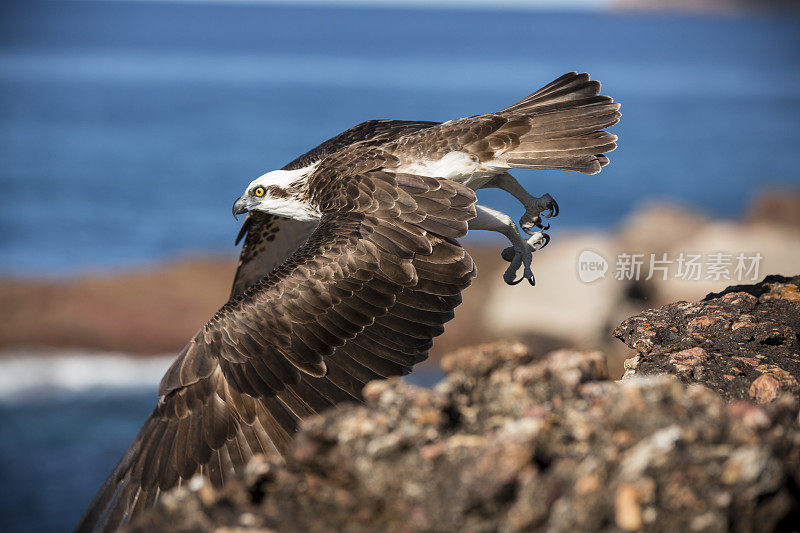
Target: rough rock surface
{"type": "Point", "coordinates": [743, 342]}
{"type": "Point", "coordinates": [513, 442]}
{"type": "Point", "coordinates": [581, 313]}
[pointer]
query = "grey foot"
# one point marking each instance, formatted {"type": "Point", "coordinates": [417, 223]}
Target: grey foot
{"type": "Point", "coordinates": [517, 258]}
{"type": "Point", "coordinates": [523, 258]}
{"type": "Point", "coordinates": [544, 206]}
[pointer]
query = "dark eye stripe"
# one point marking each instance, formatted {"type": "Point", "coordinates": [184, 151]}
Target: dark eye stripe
{"type": "Point", "coordinates": [277, 192]}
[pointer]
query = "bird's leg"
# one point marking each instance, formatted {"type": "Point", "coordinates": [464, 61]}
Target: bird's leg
{"type": "Point", "coordinates": [520, 252]}
{"type": "Point", "coordinates": [534, 206]}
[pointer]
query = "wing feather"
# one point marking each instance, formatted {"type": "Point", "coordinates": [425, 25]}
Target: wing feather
{"type": "Point", "coordinates": [361, 299]}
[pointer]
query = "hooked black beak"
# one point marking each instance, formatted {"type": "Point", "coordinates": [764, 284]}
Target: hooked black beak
{"type": "Point", "coordinates": [240, 206]}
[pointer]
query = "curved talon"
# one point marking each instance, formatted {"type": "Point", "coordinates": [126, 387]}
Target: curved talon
{"type": "Point", "coordinates": [533, 227]}
{"type": "Point", "coordinates": [527, 274]}
{"type": "Point", "coordinates": [526, 222]}
{"type": "Point", "coordinates": [510, 274]}
{"type": "Point", "coordinates": [544, 206]}
{"type": "Point", "coordinates": [518, 259]}
{"type": "Point", "coordinates": [550, 205]}
{"type": "Point", "coordinates": [538, 240]}
{"type": "Point", "coordinates": [531, 279]}
{"type": "Point", "coordinates": [546, 239]}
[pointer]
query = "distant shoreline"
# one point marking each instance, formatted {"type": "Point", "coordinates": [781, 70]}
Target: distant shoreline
{"type": "Point", "coordinates": [719, 7]}
{"type": "Point", "coordinates": [730, 7]}
{"type": "Point", "coordinates": [155, 309]}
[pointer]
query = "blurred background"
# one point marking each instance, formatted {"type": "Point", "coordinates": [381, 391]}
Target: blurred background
{"type": "Point", "coordinates": [127, 129]}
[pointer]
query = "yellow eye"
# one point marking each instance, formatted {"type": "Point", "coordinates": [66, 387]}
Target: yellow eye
{"type": "Point", "coordinates": [259, 191]}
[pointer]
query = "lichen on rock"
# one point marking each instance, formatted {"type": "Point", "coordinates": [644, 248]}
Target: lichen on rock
{"type": "Point", "coordinates": [514, 442]}
{"type": "Point", "coordinates": [744, 342]}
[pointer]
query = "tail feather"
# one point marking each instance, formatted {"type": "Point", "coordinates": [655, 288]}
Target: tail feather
{"type": "Point", "coordinates": [584, 164]}
{"type": "Point", "coordinates": [602, 113]}
{"type": "Point", "coordinates": [586, 144]}
{"type": "Point", "coordinates": [568, 88]}
{"type": "Point", "coordinates": [564, 121]}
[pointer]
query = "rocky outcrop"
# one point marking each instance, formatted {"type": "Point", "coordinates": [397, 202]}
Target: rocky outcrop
{"type": "Point", "coordinates": [744, 342]}
{"type": "Point", "coordinates": [514, 442]}
{"type": "Point", "coordinates": [580, 311]}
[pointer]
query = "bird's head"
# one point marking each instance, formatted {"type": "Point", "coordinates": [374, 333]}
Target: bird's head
{"type": "Point", "coordinates": [280, 192]}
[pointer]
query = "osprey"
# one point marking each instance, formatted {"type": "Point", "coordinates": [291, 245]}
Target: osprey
{"type": "Point", "coordinates": [350, 267]}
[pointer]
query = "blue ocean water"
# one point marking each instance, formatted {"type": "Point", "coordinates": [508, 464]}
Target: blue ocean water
{"type": "Point", "coordinates": [63, 429]}
{"type": "Point", "coordinates": [47, 474]}
{"type": "Point", "coordinates": [128, 129]}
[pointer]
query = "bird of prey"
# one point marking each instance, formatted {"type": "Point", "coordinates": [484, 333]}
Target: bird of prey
{"type": "Point", "coordinates": [350, 267]}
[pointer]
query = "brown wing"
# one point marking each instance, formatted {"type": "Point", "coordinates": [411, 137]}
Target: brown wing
{"type": "Point", "coordinates": [269, 239]}
{"type": "Point", "coordinates": [369, 133]}
{"type": "Point", "coordinates": [362, 299]}
{"type": "Point", "coordinates": [557, 127]}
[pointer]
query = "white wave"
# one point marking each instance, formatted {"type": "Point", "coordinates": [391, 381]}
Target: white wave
{"type": "Point", "coordinates": [25, 373]}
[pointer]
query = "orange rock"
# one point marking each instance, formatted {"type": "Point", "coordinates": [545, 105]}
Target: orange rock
{"type": "Point", "coordinates": [692, 356]}
{"type": "Point", "coordinates": [783, 291]}
{"type": "Point", "coordinates": [764, 389]}
{"type": "Point", "coordinates": [749, 360]}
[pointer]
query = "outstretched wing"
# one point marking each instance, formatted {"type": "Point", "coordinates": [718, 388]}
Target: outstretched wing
{"type": "Point", "coordinates": [270, 239]}
{"type": "Point", "coordinates": [558, 127]}
{"type": "Point", "coordinates": [361, 299]}
{"type": "Point", "coordinates": [369, 133]}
